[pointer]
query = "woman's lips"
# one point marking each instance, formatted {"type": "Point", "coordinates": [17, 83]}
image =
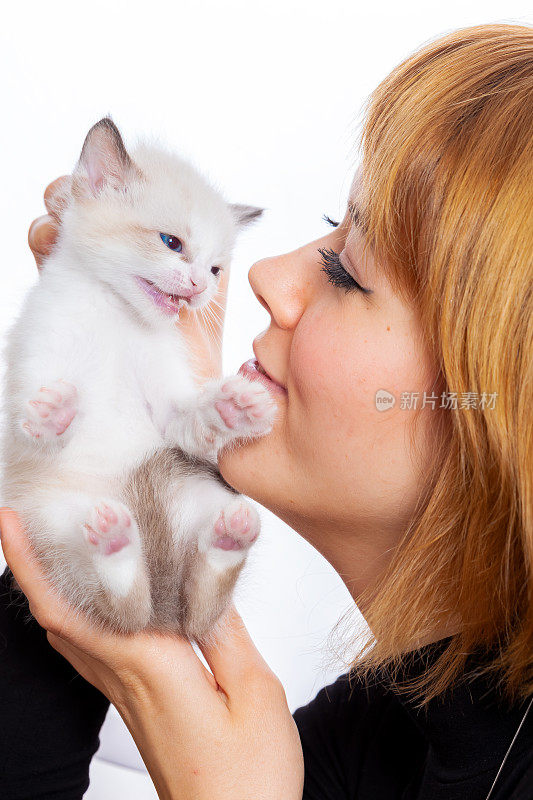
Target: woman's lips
{"type": "Point", "coordinates": [168, 303]}
{"type": "Point", "coordinates": [252, 369]}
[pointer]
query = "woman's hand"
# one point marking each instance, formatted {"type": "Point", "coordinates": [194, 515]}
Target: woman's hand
{"type": "Point", "coordinates": [203, 331]}
{"type": "Point", "coordinates": [223, 735]}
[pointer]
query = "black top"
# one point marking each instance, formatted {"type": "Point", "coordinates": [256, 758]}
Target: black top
{"type": "Point", "coordinates": [50, 717]}
{"type": "Point", "coordinates": [368, 742]}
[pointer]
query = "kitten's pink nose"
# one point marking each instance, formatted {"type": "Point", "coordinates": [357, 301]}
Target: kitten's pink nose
{"type": "Point", "coordinates": [196, 287]}
{"type": "Point", "coordinates": [189, 287]}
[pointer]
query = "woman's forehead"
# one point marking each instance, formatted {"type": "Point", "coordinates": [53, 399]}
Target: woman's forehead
{"type": "Point", "coordinates": [355, 199]}
{"type": "Point", "coordinates": [356, 183]}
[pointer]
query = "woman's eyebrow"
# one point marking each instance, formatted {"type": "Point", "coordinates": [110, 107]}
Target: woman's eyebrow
{"type": "Point", "coordinates": [356, 215]}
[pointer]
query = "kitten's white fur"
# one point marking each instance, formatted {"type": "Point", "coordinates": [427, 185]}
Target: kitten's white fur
{"type": "Point", "coordinates": [88, 324]}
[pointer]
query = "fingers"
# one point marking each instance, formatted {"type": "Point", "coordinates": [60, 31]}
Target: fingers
{"type": "Point", "coordinates": [42, 236]}
{"type": "Point", "coordinates": [45, 606]}
{"type": "Point", "coordinates": [43, 231]}
{"type": "Point", "coordinates": [56, 196]}
{"type": "Point", "coordinates": [236, 663]}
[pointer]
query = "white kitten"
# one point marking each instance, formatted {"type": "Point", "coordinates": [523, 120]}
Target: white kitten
{"type": "Point", "coordinates": [110, 448]}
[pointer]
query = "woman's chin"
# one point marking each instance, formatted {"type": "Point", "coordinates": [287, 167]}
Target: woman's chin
{"type": "Point", "coordinates": [245, 466]}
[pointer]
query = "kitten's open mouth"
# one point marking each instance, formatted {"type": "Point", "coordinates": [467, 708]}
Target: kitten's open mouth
{"type": "Point", "coordinates": [168, 303]}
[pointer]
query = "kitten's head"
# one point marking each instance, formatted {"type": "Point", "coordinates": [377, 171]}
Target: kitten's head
{"type": "Point", "coordinates": [149, 226]}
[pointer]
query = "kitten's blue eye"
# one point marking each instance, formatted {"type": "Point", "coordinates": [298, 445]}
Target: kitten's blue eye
{"type": "Point", "coordinates": [172, 242]}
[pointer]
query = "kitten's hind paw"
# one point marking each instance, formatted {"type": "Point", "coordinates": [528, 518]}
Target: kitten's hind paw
{"type": "Point", "coordinates": [51, 411]}
{"type": "Point", "coordinates": [109, 527]}
{"type": "Point", "coordinates": [114, 547]}
{"type": "Point", "coordinates": [237, 526]}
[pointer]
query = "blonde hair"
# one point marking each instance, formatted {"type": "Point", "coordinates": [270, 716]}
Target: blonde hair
{"type": "Point", "coordinates": [447, 206]}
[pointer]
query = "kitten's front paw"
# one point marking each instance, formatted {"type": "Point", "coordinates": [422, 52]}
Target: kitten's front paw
{"type": "Point", "coordinates": [109, 527]}
{"type": "Point", "coordinates": [246, 408]}
{"type": "Point", "coordinates": [49, 414]}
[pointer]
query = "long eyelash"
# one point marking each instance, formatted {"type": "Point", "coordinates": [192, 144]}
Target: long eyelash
{"type": "Point", "coordinates": [336, 273]}
{"type": "Point", "coordinates": [330, 221]}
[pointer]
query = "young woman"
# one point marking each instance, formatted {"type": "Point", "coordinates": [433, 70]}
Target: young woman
{"type": "Point", "coordinates": [424, 290]}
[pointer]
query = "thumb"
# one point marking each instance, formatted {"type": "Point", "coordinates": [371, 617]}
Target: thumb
{"type": "Point", "coordinates": [15, 545]}
{"type": "Point", "coordinates": [233, 658]}
{"type": "Point", "coordinates": [45, 605]}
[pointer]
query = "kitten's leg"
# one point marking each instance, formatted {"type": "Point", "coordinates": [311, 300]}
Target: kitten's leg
{"type": "Point", "coordinates": [50, 412]}
{"type": "Point", "coordinates": [220, 527]}
{"type": "Point", "coordinates": [93, 550]}
{"type": "Point", "coordinates": [226, 410]}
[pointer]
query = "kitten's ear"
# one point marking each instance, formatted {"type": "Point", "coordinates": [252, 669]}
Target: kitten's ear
{"type": "Point", "coordinates": [244, 215]}
{"type": "Point", "coordinates": [104, 161]}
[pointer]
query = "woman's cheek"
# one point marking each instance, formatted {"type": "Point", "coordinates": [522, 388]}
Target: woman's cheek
{"type": "Point", "coordinates": [337, 369]}
{"type": "Point", "coordinates": [334, 375]}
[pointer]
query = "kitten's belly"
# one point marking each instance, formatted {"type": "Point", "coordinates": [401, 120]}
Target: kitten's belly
{"type": "Point", "coordinates": [108, 445]}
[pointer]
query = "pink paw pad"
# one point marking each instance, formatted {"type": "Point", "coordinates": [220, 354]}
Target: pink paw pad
{"type": "Point", "coordinates": [229, 412]}
{"type": "Point", "coordinates": [245, 406]}
{"type": "Point", "coordinates": [52, 410]}
{"type": "Point", "coordinates": [108, 527]}
{"type": "Point", "coordinates": [237, 526]}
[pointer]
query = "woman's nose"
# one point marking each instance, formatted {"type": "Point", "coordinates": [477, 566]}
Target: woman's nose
{"type": "Point", "coordinates": [278, 287]}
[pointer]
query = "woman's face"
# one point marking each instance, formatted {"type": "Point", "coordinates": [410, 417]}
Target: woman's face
{"type": "Point", "coordinates": [334, 465]}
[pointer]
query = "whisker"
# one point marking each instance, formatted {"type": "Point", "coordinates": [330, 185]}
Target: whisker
{"type": "Point", "coordinates": [217, 319]}
{"type": "Point", "coordinates": [216, 322]}
{"type": "Point", "coordinates": [210, 326]}
{"type": "Point", "coordinates": [214, 302]}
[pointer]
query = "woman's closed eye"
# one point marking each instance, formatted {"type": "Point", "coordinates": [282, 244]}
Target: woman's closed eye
{"type": "Point", "coordinates": [336, 273]}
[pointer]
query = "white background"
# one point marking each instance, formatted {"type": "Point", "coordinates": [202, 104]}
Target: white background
{"type": "Point", "coordinates": [265, 97]}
